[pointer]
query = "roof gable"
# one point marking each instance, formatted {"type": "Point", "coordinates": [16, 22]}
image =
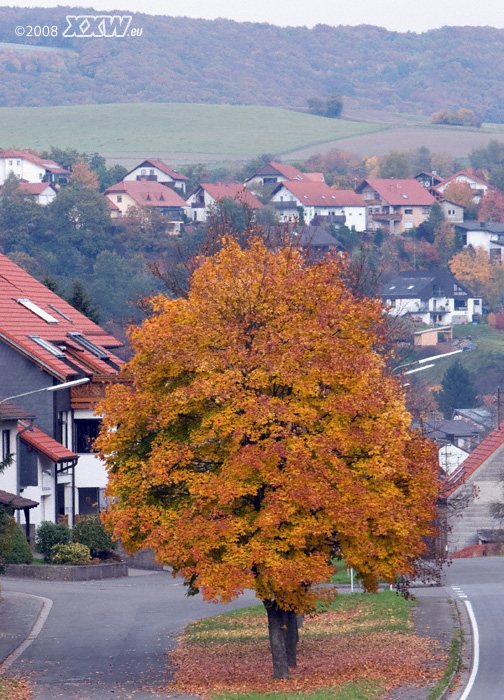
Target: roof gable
{"type": "Point", "coordinates": [160, 165]}
{"type": "Point", "coordinates": [148, 193]}
{"type": "Point", "coordinates": [234, 190]}
{"type": "Point", "coordinates": [474, 461]}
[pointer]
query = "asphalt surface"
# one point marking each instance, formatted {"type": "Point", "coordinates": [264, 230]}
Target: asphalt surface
{"type": "Point", "coordinates": [108, 639]}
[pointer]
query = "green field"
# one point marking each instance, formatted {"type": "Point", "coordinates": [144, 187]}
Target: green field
{"type": "Point", "coordinates": [178, 128]}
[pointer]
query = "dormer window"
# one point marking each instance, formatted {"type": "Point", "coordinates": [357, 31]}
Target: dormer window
{"type": "Point", "coordinates": [31, 306]}
{"type": "Point", "coordinates": [88, 345]}
{"type": "Point", "coordinates": [46, 345]}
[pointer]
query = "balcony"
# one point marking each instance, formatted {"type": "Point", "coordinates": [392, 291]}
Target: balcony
{"type": "Point", "coordinates": [386, 217]}
{"type": "Point", "coordinates": [285, 205]}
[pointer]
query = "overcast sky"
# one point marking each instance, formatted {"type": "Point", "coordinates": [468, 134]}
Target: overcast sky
{"type": "Point", "coordinates": [398, 15]}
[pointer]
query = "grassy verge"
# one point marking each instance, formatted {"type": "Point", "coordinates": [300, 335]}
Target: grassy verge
{"type": "Point", "coordinates": [356, 649]}
{"type": "Point", "coordinates": [14, 689]}
{"type": "Point", "coordinates": [453, 665]}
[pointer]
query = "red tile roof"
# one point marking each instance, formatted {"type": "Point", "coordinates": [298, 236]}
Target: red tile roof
{"type": "Point", "coordinates": [315, 177]}
{"type": "Point", "coordinates": [48, 446]}
{"type": "Point", "coordinates": [41, 162]}
{"type": "Point", "coordinates": [477, 457]}
{"type": "Point", "coordinates": [288, 171]}
{"type": "Point", "coordinates": [398, 192]}
{"type": "Point", "coordinates": [35, 187]}
{"type": "Point", "coordinates": [467, 173]}
{"type": "Point", "coordinates": [319, 194]}
{"type": "Point", "coordinates": [148, 193]}
{"type": "Point", "coordinates": [234, 190]}
{"type": "Point", "coordinates": [51, 319]}
{"type": "Point", "coordinates": [160, 165]}
{"type": "Point", "coordinates": [9, 411]}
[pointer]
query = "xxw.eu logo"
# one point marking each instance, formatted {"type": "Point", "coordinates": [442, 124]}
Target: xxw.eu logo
{"type": "Point", "coordinates": [97, 25]}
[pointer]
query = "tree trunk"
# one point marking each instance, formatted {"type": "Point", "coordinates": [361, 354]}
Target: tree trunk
{"type": "Point", "coordinates": [277, 640]}
{"type": "Point", "coordinates": [291, 634]}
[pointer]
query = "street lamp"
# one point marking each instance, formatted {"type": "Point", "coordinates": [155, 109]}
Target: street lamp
{"type": "Point", "coordinates": [56, 387]}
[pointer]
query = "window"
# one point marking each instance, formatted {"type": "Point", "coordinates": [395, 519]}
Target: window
{"type": "Point", "coordinates": [63, 428]}
{"type": "Point", "coordinates": [91, 500]}
{"type": "Point", "coordinates": [46, 345]}
{"type": "Point", "coordinates": [88, 345]}
{"type": "Point", "coordinates": [426, 210]}
{"type": "Point", "coordinates": [86, 432]}
{"type": "Point", "coordinates": [408, 211]}
{"type": "Point", "coordinates": [34, 308]}
{"type": "Point", "coordinates": [28, 466]}
{"type": "Point", "coordinates": [10, 162]}
{"type": "Point", "coordinates": [5, 443]}
{"type": "Point", "coordinates": [119, 198]}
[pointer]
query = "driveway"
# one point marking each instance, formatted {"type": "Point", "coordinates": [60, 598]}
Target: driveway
{"type": "Point", "coordinates": [108, 639]}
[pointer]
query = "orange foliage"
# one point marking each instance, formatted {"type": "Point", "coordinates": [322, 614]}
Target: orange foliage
{"type": "Point", "coordinates": [83, 175]}
{"type": "Point", "coordinates": [461, 193]}
{"type": "Point", "coordinates": [491, 206]}
{"type": "Point", "coordinates": [262, 433]}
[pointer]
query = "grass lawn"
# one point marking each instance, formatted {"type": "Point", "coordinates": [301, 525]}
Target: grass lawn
{"type": "Point", "coordinates": [356, 650]}
{"type": "Point", "coordinates": [173, 127]}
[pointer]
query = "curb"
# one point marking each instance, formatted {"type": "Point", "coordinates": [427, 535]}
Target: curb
{"type": "Point", "coordinates": [466, 655]}
{"type": "Point", "coordinates": [32, 635]}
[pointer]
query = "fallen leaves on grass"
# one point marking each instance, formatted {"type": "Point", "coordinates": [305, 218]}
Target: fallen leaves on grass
{"type": "Point", "coordinates": [14, 689]}
{"type": "Point", "coordinates": [335, 648]}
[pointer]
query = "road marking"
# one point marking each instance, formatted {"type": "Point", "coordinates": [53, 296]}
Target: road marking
{"type": "Point", "coordinates": [475, 664]}
{"type": "Point", "coordinates": [32, 636]}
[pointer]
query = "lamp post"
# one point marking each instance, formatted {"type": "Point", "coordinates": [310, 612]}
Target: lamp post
{"type": "Point", "coordinates": [56, 387]}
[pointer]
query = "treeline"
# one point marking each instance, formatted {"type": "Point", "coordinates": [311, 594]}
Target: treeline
{"type": "Point", "coordinates": [221, 61]}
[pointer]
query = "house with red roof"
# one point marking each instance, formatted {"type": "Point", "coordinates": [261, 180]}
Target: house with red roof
{"type": "Point", "coordinates": [31, 168]}
{"type": "Point", "coordinates": [205, 196]}
{"type": "Point", "coordinates": [156, 170]}
{"type": "Point", "coordinates": [308, 199]}
{"type": "Point", "coordinates": [44, 343]}
{"type": "Point", "coordinates": [145, 193]}
{"type": "Point", "coordinates": [469, 492]}
{"type": "Point", "coordinates": [42, 192]}
{"type": "Point", "coordinates": [479, 186]}
{"type": "Point", "coordinates": [394, 205]}
{"type": "Point", "coordinates": [273, 173]}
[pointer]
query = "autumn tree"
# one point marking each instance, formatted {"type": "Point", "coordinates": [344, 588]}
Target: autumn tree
{"type": "Point", "coordinates": [460, 193]}
{"type": "Point", "coordinates": [261, 435]}
{"type": "Point", "coordinates": [491, 206]}
{"type": "Point", "coordinates": [472, 267]}
{"type": "Point", "coordinates": [84, 176]}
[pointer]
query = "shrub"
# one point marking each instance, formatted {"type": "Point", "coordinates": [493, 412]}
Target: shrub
{"type": "Point", "coordinates": [49, 535]}
{"type": "Point", "coordinates": [74, 553]}
{"type": "Point", "coordinates": [20, 552]}
{"type": "Point", "coordinates": [7, 525]}
{"type": "Point", "coordinates": [91, 532]}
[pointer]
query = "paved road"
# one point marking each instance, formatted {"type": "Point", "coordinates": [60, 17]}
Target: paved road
{"type": "Point", "coordinates": [108, 639]}
{"type": "Point", "coordinates": [481, 582]}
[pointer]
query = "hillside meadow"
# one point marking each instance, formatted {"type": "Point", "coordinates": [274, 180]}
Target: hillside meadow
{"type": "Point", "coordinates": [184, 133]}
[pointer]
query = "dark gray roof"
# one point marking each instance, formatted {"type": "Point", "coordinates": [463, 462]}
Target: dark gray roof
{"type": "Point", "coordinates": [423, 284]}
{"type": "Point", "coordinates": [450, 429]}
{"type": "Point", "coordinates": [490, 226]}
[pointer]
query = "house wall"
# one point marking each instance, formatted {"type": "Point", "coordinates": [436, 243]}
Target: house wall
{"type": "Point", "coordinates": [435, 312]}
{"type": "Point", "coordinates": [476, 516]}
{"type": "Point", "coordinates": [8, 478]}
{"type": "Point", "coordinates": [406, 217]}
{"type": "Point", "coordinates": [125, 202]}
{"type": "Point", "coordinates": [22, 169]}
{"type": "Point", "coordinates": [155, 173]}
{"type": "Point", "coordinates": [19, 375]}
{"type": "Point", "coordinates": [452, 212]}
{"type": "Point", "coordinates": [356, 217]}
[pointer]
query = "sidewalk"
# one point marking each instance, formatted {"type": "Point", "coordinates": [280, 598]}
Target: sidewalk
{"type": "Point", "coordinates": [19, 613]}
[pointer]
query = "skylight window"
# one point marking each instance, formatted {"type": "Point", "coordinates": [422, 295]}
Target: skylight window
{"type": "Point", "coordinates": [411, 286]}
{"type": "Point", "coordinates": [405, 196]}
{"type": "Point", "coordinates": [46, 345]}
{"type": "Point", "coordinates": [88, 345]}
{"type": "Point", "coordinates": [60, 313]}
{"type": "Point", "coordinates": [31, 306]}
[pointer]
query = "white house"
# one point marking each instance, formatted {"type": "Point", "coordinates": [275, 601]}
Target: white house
{"type": "Point", "coordinates": [156, 170]}
{"type": "Point", "coordinates": [307, 200]}
{"type": "Point", "coordinates": [479, 186]}
{"type": "Point", "coordinates": [484, 234]}
{"type": "Point", "coordinates": [42, 192]}
{"type": "Point", "coordinates": [433, 297]}
{"type": "Point", "coordinates": [274, 173]}
{"type": "Point", "coordinates": [204, 196]}
{"type": "Point", "coordinates": [30, 168]}
{"type": "Point", "coordinates": [44, 345]}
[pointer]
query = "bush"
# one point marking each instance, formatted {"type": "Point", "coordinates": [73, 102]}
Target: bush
{"type": "Point", "coordinates": [91, 532]}
{"type": "Point", "coordinates": [20, 552]}
{"type": "Point", "coordinates": [49, 535]}
{"type": "Point", "coordinates": [74, 553]}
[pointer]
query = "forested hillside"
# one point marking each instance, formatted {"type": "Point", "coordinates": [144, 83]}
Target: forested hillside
{"type": "Point", "coordinates": [221, 61]}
